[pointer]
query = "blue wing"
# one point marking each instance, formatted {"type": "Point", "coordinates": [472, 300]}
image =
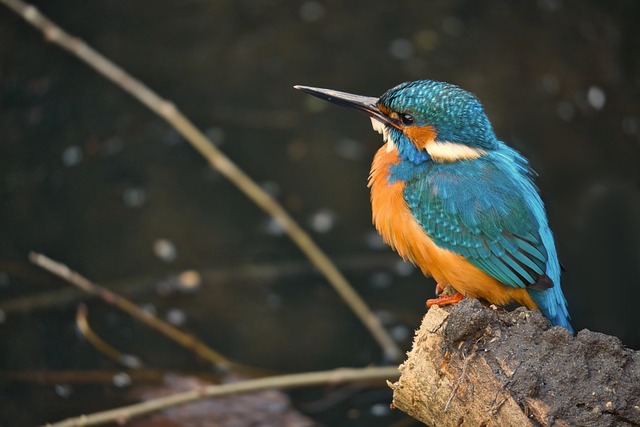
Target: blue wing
{"type": "Point", "coordinates": [477, 209]}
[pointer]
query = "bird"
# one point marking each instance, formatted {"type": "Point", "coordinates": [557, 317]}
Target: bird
{"type": "Point", "coordinates": [456, 201]}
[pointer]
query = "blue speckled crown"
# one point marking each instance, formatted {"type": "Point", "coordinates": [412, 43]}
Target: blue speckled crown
{"type": "Point", "coordinates": [456, 114]}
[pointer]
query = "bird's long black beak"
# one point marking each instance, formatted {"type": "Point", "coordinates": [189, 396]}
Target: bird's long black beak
{"type": "Point", "coordinates": [365, 104]}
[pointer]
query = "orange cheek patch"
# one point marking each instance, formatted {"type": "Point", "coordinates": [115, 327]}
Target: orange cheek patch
{"type": "Point", "coordinates": [421, 136]}
{"type": "Point", "coordinates": [384, 110]}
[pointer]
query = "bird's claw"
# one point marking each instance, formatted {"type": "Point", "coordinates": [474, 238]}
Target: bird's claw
{"type": "Point", "coordinates": [445, 300]}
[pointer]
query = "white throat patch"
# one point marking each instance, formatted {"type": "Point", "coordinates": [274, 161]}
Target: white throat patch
{"type": "Point", "coordinates": [440, 151]}
{"type": "Point", "coordinates": [446, 152]}
{"type": "Point", "coordinates": [382, 129]}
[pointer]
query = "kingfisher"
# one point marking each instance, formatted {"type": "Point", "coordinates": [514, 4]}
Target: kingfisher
{"type": "Point", "coordinates": [456, 201]}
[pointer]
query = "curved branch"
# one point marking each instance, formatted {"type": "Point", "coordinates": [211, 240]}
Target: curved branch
{"type": "Point", "coordinates": [187, 341]}
{"type": "Point", "coordinates": [216, 159]}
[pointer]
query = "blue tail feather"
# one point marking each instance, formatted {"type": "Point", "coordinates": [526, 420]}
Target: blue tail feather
{"type": "Point", "coordinates": [550, 301]}
{"type": "Point", "coordinates": [553, 306]}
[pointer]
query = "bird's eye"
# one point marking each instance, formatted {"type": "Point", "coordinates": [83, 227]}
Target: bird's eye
{"type": "Point", "coordinates": [407, 119]}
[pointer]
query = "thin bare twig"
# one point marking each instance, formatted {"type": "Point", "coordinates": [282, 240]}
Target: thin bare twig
{"type": "Point", "coordinates": [127, 360]}
{"type": "Point", "coordinates": [309, 379]}
{"type": "Point", "coordinates": [188, 341]}
{"type": "Point", "coordinates": [231, 274]}
{"type": "Point", "coordinates": [216, 159]}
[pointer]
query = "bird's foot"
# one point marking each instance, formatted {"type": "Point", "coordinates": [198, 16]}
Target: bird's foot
{"type": "Point", "coordinates": [445, 300]}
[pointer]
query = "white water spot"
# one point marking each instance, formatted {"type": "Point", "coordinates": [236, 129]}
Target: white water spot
{"type": "Point", "coordinates": [165, 250]}
{"type": "Point", "coordinates": [272, 188]}
{"type": "Point", "coordinates": [323, 221]}
{"type": "Point", "coordinates": [400, 333]}
{"type": "Point", "coordinates": [272, 227]}
{"type": "Point", "coordinates": [374, 241]}
{"type": "Point", "coordinates": [311, 11]}
{"type": "Point", "coordinates": [134, 197]}
{"type": "Point", "coordinates": [401, 49]}
{"type": "Point", "coordinates": [381, 280]}
{"type": "Point", "coordinates": [565, 111]}
{"type": "Point", "coordinates": [149, 309]}
{"type": "Point", "coordinates": [404, 268]}
{"type": "Point", "coordinates": [63, 390]}
{"type": "Point", "coordinates": [121, 380]}
{"type": "Point", "coordinates": [385, 317]}
{"type": "Point", "coordinates": [596, 97]}
{"type": "Point", "coordinates": [176, 317]}
{"type": "Point", "coordinates": [380, 410]}
{"type": "Point", "coordinates": [189, 281]}
{"type": "Point", "coordinates": [216, 135]}
{"type": "Point", "coordinates": [131, 361]}
{"type": "Point", "coordinates": [71, 156]}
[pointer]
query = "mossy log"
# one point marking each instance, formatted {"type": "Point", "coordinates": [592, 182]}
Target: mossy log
{"type": "Point", "coordinates": [476, 366]}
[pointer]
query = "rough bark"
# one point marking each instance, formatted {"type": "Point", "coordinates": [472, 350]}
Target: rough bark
{"type": "Point", "coordinates": [475, 366]}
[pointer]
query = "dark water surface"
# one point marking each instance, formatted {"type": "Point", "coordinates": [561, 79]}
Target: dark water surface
{"type": "Point", "coordinates": [89, 177]}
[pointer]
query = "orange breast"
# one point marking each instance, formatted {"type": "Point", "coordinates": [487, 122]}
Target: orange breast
{"type": "Point", "coordinates": [398, 227]}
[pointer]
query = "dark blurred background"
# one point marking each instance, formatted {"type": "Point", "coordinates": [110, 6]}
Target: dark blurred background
{"type": "Point", "coordinates": [90, 177]}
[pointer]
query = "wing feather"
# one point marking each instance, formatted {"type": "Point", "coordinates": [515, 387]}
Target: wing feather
{"type": "Point", "coordinates": [488, 221]}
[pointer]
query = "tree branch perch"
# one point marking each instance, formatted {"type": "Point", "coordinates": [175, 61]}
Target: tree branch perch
{"type": "Point", "coordinates": [474, 366]}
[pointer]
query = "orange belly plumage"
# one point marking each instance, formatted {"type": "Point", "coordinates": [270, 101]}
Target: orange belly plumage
{"type": "Point", "coordinates": [398, 227]}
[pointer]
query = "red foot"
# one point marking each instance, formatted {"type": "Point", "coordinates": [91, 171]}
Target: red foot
{"type": "Point", "coordinates": [445, 300]}
{"type": "Point", "coordinates": [439, 288]}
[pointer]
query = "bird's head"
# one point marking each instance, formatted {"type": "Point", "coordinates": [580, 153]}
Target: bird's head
{"type": "Point", "coordinates": [424, 120]}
